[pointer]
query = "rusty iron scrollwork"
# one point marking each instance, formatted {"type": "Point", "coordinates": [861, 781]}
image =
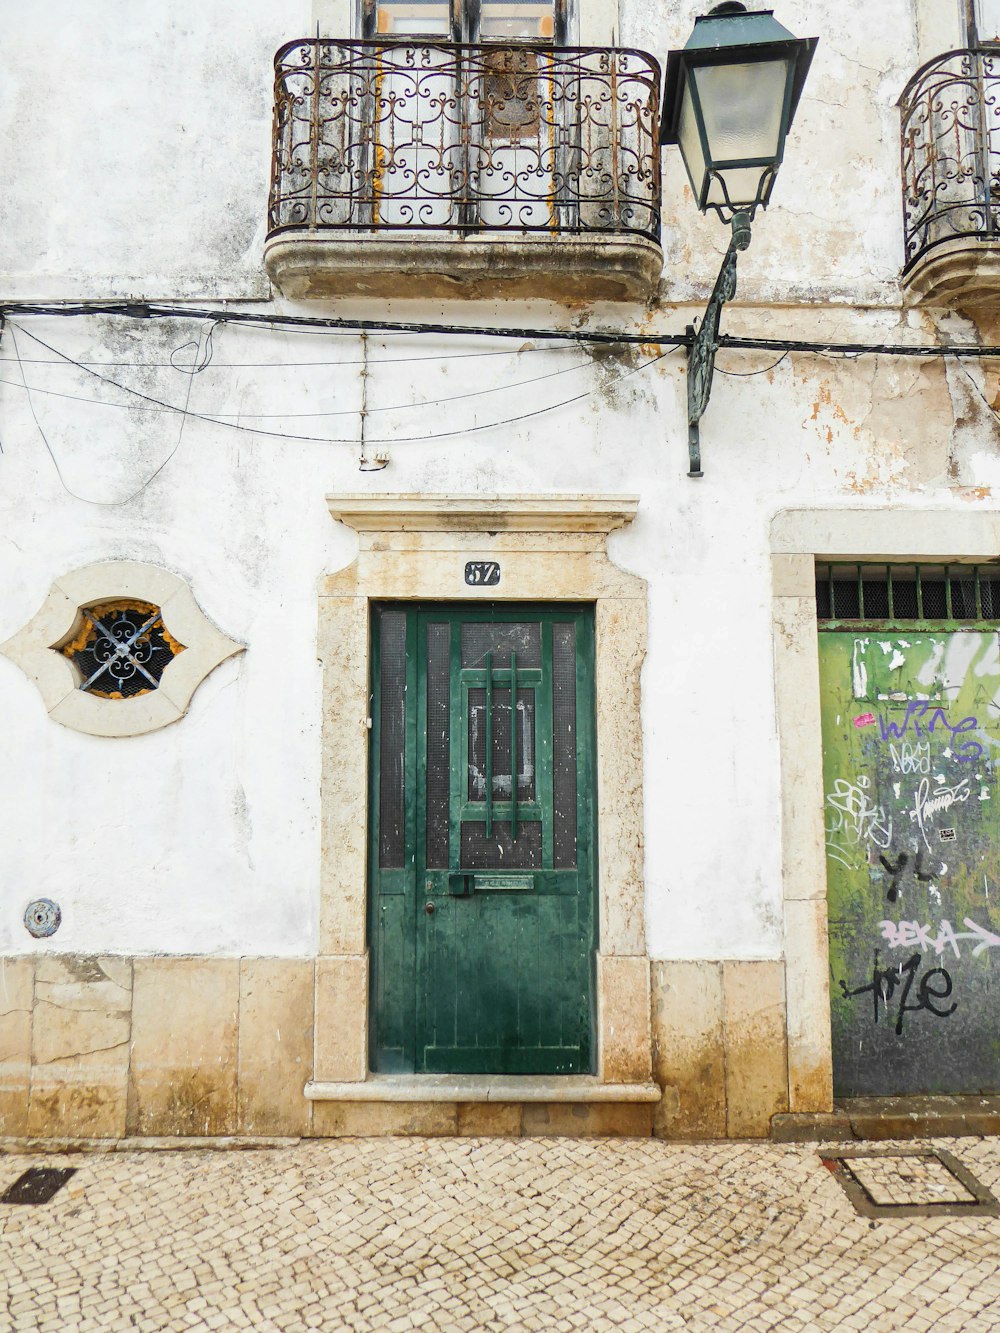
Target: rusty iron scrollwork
{"type": "Point", "coordinates": [950, 113]}
{"type": "Point", "coordinates": [425, 135]}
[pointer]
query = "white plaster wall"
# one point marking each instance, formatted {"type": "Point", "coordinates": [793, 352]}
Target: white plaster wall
{"type": "Point", "coordinates": [204, 837]}
{"type": "Point", "coordinates": [136, 146]}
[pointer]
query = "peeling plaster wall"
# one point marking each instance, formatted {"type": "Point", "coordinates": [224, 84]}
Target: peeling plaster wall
{"type": "Point", "coordinates": [148, 177]}
{"type": "Point", "coordinates": [833, 229]}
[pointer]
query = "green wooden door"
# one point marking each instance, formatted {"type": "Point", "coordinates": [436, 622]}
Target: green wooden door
{"type": "Point", "coordinates": [482, 849]}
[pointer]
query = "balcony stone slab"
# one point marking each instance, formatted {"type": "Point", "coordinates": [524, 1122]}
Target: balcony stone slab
{"type": "Point", "coordinates": [963, 274]}
{"type": "Point", "coordinates": [492, 265]}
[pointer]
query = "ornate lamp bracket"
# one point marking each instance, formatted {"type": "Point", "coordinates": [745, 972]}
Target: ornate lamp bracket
{"type": "Point", "coordinates": [705, 342]}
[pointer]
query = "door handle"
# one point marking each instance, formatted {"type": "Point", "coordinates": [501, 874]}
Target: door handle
{"type": "Point", "coordinates": [429, 908]}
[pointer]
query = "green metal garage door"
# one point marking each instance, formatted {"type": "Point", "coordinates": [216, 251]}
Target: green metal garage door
{"type": "Point", "coordinates": [910, 678]}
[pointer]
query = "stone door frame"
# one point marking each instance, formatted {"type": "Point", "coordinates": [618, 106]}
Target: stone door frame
{"type": "Point", "coordinates": [550, 549]}
{"type": "Point", "coordinates": [800, 537]}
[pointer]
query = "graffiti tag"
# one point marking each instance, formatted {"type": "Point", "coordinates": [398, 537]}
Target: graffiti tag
{"type": "Point", "coordinates": [896, 873]}
{"type": "Point", "coordinates": [856, 815]}
{"type": "Point", "coordinates": [916, 715]}
{"type": "Point", "coordinates": [886, 981]}
{"type": "Point", "coordinates": [911, 758]}
{"type": "Point", "coordinates": [928, 803]}
{"type": "Point", "coordinates": [912, 935]}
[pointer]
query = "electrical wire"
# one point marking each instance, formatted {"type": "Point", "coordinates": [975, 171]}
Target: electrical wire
{"type": "Point", "coordinates": [962, 351]}
{"type": "Point", "coordinates": [322, 324]}
{"type": "Point", "coordinates": [298, 365]}
{"type": "Point", "coordinates": [314, 439]}
{"type": "Point", "coordinates": [284, 416]}
{"type": "Point", "coordinates": [203, 352]}
{"type": "Point", "coordinates": [747, 374]}
{"type": "Point", "coordinates": [106, 504]}
{"type": "Point", "coordinates": [979, 391]}
{"type": "Point", "coordinates": [327, 325]}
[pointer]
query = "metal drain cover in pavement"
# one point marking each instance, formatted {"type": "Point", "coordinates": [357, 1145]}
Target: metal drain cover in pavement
{"type": "Point", "coordinates": [37, 1185]}
{"type": "Point", "coordinates": [890, 1183]}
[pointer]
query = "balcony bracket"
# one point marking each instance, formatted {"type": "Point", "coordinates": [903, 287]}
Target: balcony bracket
{"type": "Point", "coordinates": [705, 342]}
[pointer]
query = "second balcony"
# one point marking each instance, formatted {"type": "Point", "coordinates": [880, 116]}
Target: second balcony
{"type": "Point", "coordinates": [425, 169]}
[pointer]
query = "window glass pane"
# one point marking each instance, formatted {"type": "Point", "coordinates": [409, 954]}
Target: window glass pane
{"type": "Point", "coordinates": [517, 19]}
{"type": "Point", "coordinates": [480, 638]}
{"type": "Point", "coordinates": [424, 18]}
{"type": "Point", "coordinates": [564, 745]}
{"type": "Point", "coordinates": [988, 20]}
{"type": "Point", "coordinates": [500, 851]}
{"type": "Point", "coordinates": [392, 748]}
{"type": "Point", "coordinates": [438, 744]}
{"type": "Point", "coordinates": [500, 745]}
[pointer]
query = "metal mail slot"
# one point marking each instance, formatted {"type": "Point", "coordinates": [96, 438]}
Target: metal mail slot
{"type": "Point", "coordinates": [503, 883]}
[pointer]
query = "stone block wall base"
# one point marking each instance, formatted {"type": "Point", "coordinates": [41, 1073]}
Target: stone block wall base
{"type": "Point", "coordinates": [18, 1147]}
{"type": "Point", "coordinates": [370, 1119]}
{"type": "Point", "coordinates": [881, 1118]}
{"type": "Point", "coordinates": [719, 1048]}
{"type": "Point", "coordinates": [110, 1049]}
{"type": "Point", "coordinates": [921, 1117]}
{"type": "Point", "coordinates": [105, 1048]}
{"type": "Point", "coordinates": [800, 1127]}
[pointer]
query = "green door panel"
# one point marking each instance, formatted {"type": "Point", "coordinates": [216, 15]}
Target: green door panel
{"type": "Point", "coordinates": [911, 737]}
{"type": "Point", "coordinates": [482, 849]}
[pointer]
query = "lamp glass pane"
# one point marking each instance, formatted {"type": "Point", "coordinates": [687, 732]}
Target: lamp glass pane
{"type": "Point", "coordinates": [689, 141]}
{"type": "Point", "coordinates": [742, 107]}
{"type": "Point", "coordinates": [743, 185]}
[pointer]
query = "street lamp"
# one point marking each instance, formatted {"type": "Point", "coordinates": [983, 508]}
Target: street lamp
{"type": "Point", "coordinates": [729, 100]}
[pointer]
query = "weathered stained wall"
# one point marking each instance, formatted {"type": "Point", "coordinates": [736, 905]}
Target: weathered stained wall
{"type": "Point", "coordinates": [147, 177]}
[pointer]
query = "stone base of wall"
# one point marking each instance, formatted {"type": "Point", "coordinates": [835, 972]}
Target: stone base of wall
{"type": "Point", "coordinates": [113, 1048]}
{"type": "Point", "coordinates": [104, 1047]}
{"type": "Point", "coordinates": [484, 1119]}
{"type": "Point", "coordinates": [719, 1048]}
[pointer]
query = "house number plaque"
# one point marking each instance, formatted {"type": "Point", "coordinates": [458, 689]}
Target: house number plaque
{"type": "Point", "coordinates": [482, 573]}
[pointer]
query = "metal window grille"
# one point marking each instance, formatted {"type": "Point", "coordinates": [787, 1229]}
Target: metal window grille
{"type": "Point", "coordinates": [120, 649]}
{"type": "Point", "coordinates": [887, 594]}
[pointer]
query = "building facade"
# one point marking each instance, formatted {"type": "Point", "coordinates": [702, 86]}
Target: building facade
{"type": "Point", "coordinates": [397, 738]}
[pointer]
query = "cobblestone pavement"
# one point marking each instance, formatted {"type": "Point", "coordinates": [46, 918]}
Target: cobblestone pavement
{"type": "Point", "coordinates": [487, 1234]}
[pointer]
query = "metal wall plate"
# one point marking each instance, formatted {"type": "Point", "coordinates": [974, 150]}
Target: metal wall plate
{"type": "Point", "coordinates": [42, 918]}
{"type": "Point", "coordinates": [893, 1182]}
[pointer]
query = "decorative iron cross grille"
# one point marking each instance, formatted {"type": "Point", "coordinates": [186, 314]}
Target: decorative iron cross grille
{"type": "Point", "coordinates": [121, 649]}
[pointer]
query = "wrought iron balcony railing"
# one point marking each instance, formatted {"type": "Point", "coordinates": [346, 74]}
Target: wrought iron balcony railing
{"type": "Point", "coordinates": [394, 135]}
{"type": "Point", "coordinates": [951, 151]}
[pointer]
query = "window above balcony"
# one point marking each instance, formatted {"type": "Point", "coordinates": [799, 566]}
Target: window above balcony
{"type": "Point", "coordinates": [983, 20]}
{"type": "Point", "coordinates": [420, 167]}
{"type": "Point", "coordinates": [951, 175]}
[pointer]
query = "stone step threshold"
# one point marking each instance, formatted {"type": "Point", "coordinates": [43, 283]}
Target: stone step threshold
{"type": "Point", "coordinates": [15, 1146]}
{"type": "Point", "coordinates": [509, 1088]}
{"type": "Point", "coordinates": [877, 1118]}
